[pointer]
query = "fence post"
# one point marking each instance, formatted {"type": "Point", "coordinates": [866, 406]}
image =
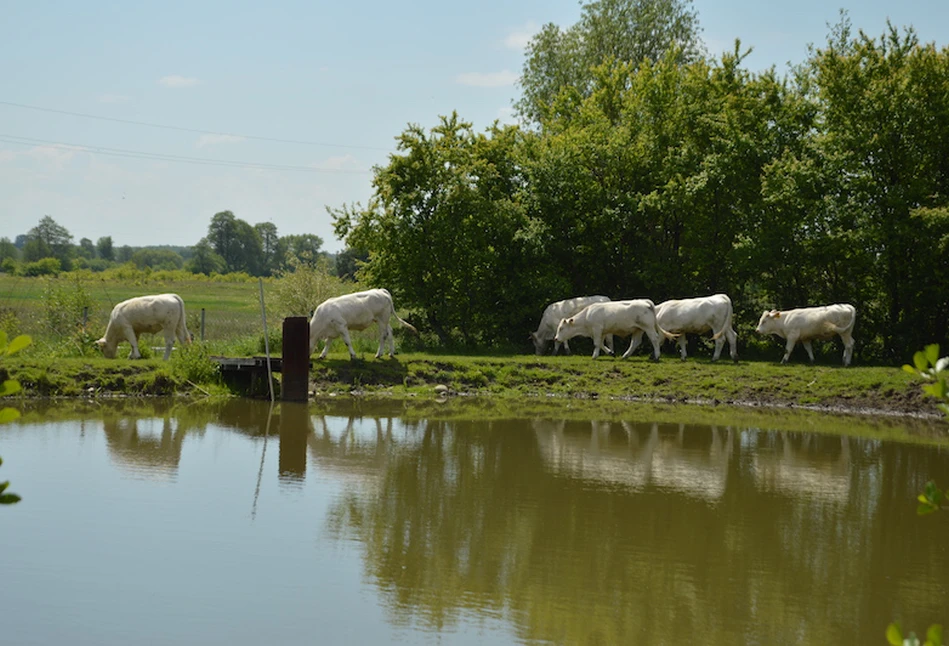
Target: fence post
{"type": "Point", "coordinates": [202, 325]}
{"type": "Point", "coordinates": [296, 359]}
{"type": "Point", "coordinates": [85, 316]}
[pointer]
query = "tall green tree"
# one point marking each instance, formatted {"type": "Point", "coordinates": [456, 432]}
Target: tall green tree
{"type": "Point", "coordinates": [304, 249]}
{"type": "Point", "coordinates": [885, 135]}
{"type": "Point", "coordinates": [237, 242]}
{"type": "Point", "coordinates": [611, 31]}
{"type": "Point", "coordinates": [204, 260]}
{"type": "Point", "coordinates": [104, 248]}
{"type": "Point", "coordinates": [444, 232]}
{"type": "Point", "coordinates": [87, 249]}
{"type": "Point", "coordinates": [270, 262]}
{"type": "Point", "coordinates": [49, 239]}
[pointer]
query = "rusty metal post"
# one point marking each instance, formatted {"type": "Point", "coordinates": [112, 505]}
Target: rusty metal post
{"type": "Point", "coordinates": [296, 359]}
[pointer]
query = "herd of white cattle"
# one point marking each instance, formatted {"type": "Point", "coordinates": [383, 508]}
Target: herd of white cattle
{"type": "Point", "coordinates": [597, 317]}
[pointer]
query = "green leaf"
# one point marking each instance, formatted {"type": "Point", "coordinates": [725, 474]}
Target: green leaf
{"type": "Point", "coordinates": [8, 415]}
{"type": "Point", "coordinates": [9, 499]}
{"type": "Point", "coordinates": [4, 485]}
{"type": "Point", "coordinates": [894, 634]}
{"type": "Point", "coordinates": [9, 387]}
{"type": "Point", "coordinates": [910, 369]}
{"type": "Point", "coordinates": [3, 341]}
{"type": "Point", "coordinates": [919, 360]}
{"type": "Point", "coordinates": [924, 509]}
{"type": "Point", "coordinates": [932, 353]}
{"type": "Point", "coordinates": [934, 635]}
{"type": "Point", "coordinates": [24, 340]}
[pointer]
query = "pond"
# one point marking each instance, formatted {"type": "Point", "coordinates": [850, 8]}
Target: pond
{"type": "Point", "coordinates": [356, 522]}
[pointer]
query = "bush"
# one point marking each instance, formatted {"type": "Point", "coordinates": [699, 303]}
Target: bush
{"type": "Point", "coordinates": [193, 363]}
{"type": "Point", "coordinates": [43, 267]}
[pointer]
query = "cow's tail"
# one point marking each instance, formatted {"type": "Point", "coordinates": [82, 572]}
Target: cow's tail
{"type": "Point", "coordinates": [726, 325]}
{"type": "Point", "coordinates": [181, 330]}
{"type": "Point", "coordinates": [669, 336]}
{"type": "Point", "coordinates": [400, 320]}
{"type": "Point", "coordinates": [837, 329]}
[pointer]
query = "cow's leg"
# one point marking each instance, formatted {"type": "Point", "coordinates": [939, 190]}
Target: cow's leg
{"type": "Point", "coordinates": [732, 343]}
{"type": "Point", "coordinates": [344, 332]}
{"type": "Point", "coordinates": [391, 340]}
{"type": "Point", "coordinates": [133, 341]}
{"type": "Point", "coordinates": [789, 347]}
{"type": "Point", "coordinates": [681, 341]}
{"type": "Point", "coordinates": [656, 343]}
{"type": "Point", "coordinates": [326, 348]}
{"type": "Point", "coordinates": [848, 347]}
{"type": "Point", "coordinates": [169, 343]}
{"type": "Point", "coordinates": [810, 349]}
{"type": "Point", "coordinates": [609, 343]}
{"type": "Point", "coordinates": [597, 337]}
{"type": "Point", "coordinates": [635, 339]}
{"type": "Point", "coordinates": [382, 339]}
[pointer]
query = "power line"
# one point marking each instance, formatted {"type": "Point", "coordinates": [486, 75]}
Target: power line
{"type": "Point", "coordinates": [192, 130]}
{"type": "Point", "coordinates": [138, 154]}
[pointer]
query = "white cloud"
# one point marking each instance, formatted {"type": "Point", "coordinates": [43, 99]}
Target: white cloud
{"type": "Point", "coordinates": [211, 140]}
{"type": "Point", "coordinates": [114, 98]}
{"type": "Point", "coordinates": [176, 80]}
{"type": "Point", "coordinates": [342, 162]}
{"type": "Point", "coordinates": [487, 79]}
{"type": "Point", "coordinates": [519, 37]}
{"type": "Point", "coordinates": [506, 115]}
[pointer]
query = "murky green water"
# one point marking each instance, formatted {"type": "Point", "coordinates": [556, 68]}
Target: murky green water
{"type": "Point", "coordinates": [160, 523]}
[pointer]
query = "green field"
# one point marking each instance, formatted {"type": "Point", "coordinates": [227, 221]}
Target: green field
{"type": "Point", "coordinates": [65, 362]}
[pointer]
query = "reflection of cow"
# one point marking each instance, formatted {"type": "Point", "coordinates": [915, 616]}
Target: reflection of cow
{"type": "Point", "coordinates": [643, 457]}
{"type": "Point", "coordinates": [804, 469]}
{"type": "Point", "coordinates": [145, 445]}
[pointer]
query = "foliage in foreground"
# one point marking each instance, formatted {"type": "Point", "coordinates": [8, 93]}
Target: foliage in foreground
{"type": "Point", "coordinates": [7, 414]}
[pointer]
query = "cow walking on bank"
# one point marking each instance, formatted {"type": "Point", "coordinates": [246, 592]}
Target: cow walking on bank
{"type": "Point", "coordinates": [698, 316]}
{"type": "Point", "coordinates": [556, 312]}
{"type": "Point", "coordinates": [623, 318]}
{"type": "Point", "coordinates": [338, 315]}
{"type": "Point", "coordinates": [145, 315]}
{"type": "Point", "coordinates": [808, 323]}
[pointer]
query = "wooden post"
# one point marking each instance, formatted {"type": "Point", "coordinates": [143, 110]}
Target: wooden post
{"type": "Point", "coordinates": [202, 325]}
{"type": "Point", "coordinates": [296, 359]}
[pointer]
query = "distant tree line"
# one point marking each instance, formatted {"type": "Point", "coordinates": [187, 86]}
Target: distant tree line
{"type": "Point", "coordinates": [232, 245]}
{"type": "Point", "coordinates": [655, 171]}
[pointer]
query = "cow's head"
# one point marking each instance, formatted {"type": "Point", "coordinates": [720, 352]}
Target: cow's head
{"type": "Point", "coordinates": [565, 330]}
{"type": "Point", "coordinates": [539, 344]}
{"type": "Point", "coordinates": [108, 349]}
{"type": "Point", "coordinates": [769, 322]}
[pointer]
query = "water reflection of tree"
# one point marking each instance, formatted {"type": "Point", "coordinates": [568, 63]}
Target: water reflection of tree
{"type": "Point", "coordinates": [575, 548]}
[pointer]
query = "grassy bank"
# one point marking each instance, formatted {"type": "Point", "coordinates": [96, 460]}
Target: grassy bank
{"type": "Point", "coordinates": [766, 384]}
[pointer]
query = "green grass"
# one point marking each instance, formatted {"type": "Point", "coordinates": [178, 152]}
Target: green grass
{"type": "Point", "coordinates": [68, 364]}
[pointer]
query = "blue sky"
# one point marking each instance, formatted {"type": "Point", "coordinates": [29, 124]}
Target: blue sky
{"type": "Point", "coordinates": [336, 82]}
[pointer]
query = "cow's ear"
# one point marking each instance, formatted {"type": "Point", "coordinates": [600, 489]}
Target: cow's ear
{"type": "Point", "coordinates": [569, 321]}
{"type": "Point", "coordinates": [777, 314]}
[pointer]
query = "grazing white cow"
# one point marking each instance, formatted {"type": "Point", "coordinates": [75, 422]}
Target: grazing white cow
{"type": "Point", "coordinates": [554, 313]}
{"type": "Point", "coordinates": [615, 317]}
{"type": "Point", "coordinates": [145, 314]}
{"type": "Point", "coordinates": [697, 316]}
{"type": "Point", "coordinates": [338, 315]}
{"type": "Point", "coordinates": [808, 323]}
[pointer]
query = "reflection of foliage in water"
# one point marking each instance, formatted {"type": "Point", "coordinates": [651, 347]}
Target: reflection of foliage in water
{"type": "Point", "coordinates": [557, 535]}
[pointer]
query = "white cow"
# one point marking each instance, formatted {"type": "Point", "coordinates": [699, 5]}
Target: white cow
{"type": "Point", "coordinates": [615, 317]}
{"type": "Point", "coordinates": [808, 323]}
{"type": "Point", "coordinates": [145, 314]}
{"type": "Point", "coordinates": [554, 313]}
{"type": "Point", "coordinates": [336, 316]}
{"type": "Point", "coordinates": [697, 316]}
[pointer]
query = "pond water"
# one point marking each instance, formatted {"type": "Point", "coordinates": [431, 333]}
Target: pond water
{"type": "Point", "coordinates": [350, 523]}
